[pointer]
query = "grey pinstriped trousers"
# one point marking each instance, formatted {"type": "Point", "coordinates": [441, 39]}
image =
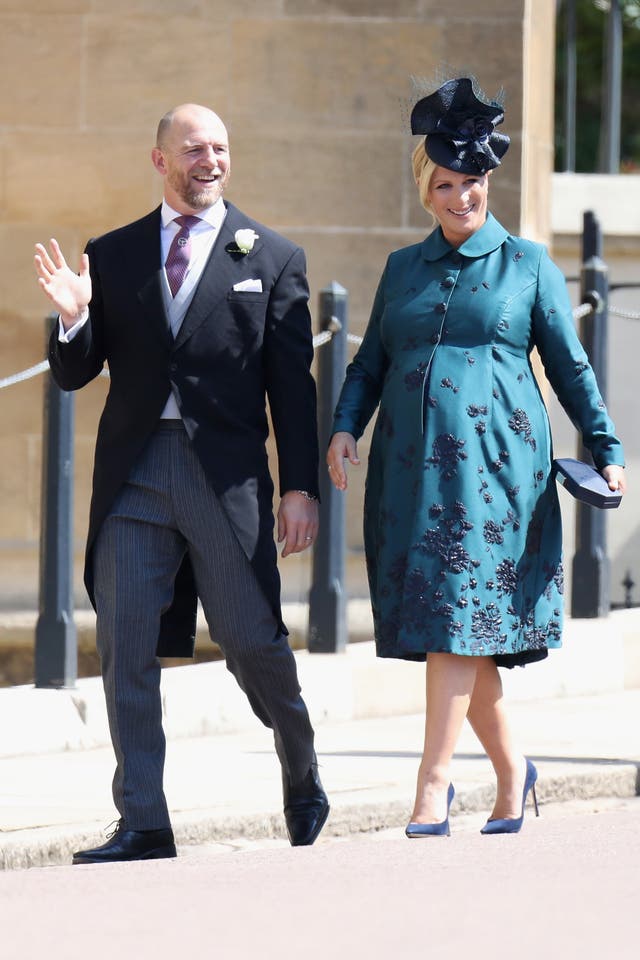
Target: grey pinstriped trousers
{"type": "Point", "coordinates": [167, 508]}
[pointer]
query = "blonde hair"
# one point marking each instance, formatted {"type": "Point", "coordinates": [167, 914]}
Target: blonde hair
{"type": "Point", "coordinates": [423, 169]}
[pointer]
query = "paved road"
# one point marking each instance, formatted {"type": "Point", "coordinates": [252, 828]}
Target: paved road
{"type": "Point", "coordinates": [565, 888]}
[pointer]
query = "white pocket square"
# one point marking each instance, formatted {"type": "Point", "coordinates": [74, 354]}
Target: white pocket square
{"type": "Point", "coordinates": [249, 286]}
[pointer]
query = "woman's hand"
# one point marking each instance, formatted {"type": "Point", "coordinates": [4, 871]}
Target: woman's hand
{"type": "Point", "coordinates": [342, 447]}
{"type": "Point", "coordinates": [615, 477]}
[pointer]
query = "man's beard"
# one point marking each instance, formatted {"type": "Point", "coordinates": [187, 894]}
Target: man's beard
{"type": "Point", "coordinates": [198, 198]}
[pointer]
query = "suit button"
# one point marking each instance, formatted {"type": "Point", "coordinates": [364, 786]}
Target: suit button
{"type": "Point", "coordinates": [435, 337]}
{"type": "Point", "coordinates": [447, 282]}
{"type": "Point", "coordinates": [441, 307]}
{"type": "Point", "coordinates": [173, 367]}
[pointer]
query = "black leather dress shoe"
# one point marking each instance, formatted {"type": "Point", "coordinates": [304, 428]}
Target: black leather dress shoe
{"type": "Point", "coordinates": [126, 844]}
{"type": "Point", "coordinates": [306, 808]}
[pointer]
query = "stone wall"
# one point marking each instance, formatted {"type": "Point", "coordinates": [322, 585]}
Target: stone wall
{"type": "Point", "coordinates": [311, 91]}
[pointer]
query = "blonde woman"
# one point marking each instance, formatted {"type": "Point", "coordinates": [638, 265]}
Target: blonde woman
{"type": "Point", "coordinates": [462, 522]}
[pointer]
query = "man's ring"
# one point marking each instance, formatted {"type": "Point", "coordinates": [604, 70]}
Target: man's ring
{"type": "Point", "coordinates": [308, 538]}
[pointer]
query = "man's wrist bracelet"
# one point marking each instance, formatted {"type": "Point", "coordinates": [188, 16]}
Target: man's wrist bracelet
{"type": "Point", "coordinates": [308, 496]}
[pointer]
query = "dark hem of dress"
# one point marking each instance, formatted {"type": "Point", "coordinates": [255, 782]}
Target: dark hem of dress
{"type": "Point", "coordinates": [511, 660]}
{"type": "Point", "coordinates": [508, 660]}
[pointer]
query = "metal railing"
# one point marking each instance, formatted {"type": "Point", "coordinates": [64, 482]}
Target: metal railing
{"type": "Point", "coordinates": [591, 578]}
{"type": "Point", "coordinates": [327, 631]}
{"type": "Point", "coordinates": [56, 647]}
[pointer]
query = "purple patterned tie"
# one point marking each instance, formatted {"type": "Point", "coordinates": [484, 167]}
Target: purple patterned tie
{"type": "Point", "coordinates": [179, 253]}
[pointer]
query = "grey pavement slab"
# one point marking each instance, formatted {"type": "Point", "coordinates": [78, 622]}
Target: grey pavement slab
{"type": "Point", "coordinates": [226, 787]}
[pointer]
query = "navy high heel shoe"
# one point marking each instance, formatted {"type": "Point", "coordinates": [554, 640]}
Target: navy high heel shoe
{"type": "Point", "coordinates": [514, 824]}
{"type": "Point", "coordinates": [432, 829]}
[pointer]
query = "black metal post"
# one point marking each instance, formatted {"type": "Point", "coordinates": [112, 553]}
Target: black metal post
{"type": "Point", "coordinates": [628, 583]}
{"type": "Point", "coordinates": [590, 591]}
{"type": "Point", "coordinates": [327, 601]}
{"type": "Point", "coordinates": [56, 650]}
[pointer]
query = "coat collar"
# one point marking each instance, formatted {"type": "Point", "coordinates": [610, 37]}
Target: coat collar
{"type": "Point", "coordinates": [488, 238]}
{"type": "Point", "coordinates": [144, 259]}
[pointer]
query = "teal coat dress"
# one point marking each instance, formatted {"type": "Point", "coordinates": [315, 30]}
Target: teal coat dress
{"type": "Point", "coordinates": [462, 523]}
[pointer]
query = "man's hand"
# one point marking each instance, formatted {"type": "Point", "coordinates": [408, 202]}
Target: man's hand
{"type": "Point", "coordinates": [69, 292]}
{"type": "Point", "coordinates": [297, 522]}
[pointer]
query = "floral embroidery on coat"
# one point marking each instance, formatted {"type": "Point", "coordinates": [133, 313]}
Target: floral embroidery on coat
{"type": "Point", "coordinates": [462, 520]}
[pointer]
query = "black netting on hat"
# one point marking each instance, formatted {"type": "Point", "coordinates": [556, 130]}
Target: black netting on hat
{"type": "Point", "coordinates": [459, 128]}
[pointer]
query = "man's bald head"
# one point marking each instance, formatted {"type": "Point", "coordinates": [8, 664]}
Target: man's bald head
{"type": "Point", "coordinates": [186, 113]}
{"type": "Point", "coordinates": [192, 154]}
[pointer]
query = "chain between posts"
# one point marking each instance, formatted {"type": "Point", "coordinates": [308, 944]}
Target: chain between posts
{"type": "Point", "coordinates": [319, 340]}
{"type": "Point", "coordinates": [34, 371]}
{"type": "Point", "coordinates": [627, 314]}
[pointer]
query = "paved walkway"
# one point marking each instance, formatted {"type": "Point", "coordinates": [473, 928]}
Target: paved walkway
{"type": "Point", "coordinates": [222, 777]}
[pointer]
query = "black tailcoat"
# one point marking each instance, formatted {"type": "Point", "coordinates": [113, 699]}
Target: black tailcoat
{"type": "Point", "coordinates": [234, 350]}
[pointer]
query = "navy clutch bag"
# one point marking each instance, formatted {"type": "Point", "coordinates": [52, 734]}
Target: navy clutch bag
{"type": "Point", "coordinates": [585, 483]}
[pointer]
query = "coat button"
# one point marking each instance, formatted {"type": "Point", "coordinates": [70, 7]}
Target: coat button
{"type": "Point", "coordinates": [435, 337]}
{"type": "Point", "coordinates": [441, 308]}
{"type": "Point", "coordinates": [173, 367]}
{"type": "Point", "coordinates": [447, 282]}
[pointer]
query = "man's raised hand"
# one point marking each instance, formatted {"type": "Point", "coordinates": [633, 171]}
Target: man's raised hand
{"type": "Point", "coordinates": [69, 292]}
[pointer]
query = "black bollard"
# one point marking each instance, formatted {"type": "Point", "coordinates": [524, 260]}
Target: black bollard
{"type": "Point", "coordinates": [56, 649]}
{"type": "Point", "coordinates": [590, 585]}
{"type": "Point", "coordinates": [327, 600]}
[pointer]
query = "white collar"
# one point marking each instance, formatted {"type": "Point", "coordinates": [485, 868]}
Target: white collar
{"type": "Point", "coordinates": [213, 215]}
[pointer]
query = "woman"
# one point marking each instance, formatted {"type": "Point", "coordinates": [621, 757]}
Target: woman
{"type": "Point", "coordinates": [462, 520]}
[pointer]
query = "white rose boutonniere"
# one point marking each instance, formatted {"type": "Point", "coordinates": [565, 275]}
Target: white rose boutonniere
{"type": "Point", "coordinates": [245, 239]}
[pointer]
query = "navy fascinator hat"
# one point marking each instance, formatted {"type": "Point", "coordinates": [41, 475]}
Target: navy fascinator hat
{"type": "Point", "coordinates": [459, 126]}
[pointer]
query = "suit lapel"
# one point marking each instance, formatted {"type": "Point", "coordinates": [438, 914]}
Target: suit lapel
{"type": "Point", "coordinates": [146, 260]}
{"type": "Point", "coordinates": [219, 274]}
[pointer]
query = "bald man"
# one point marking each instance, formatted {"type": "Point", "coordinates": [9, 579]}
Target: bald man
{"type": "Point", "coordinates": [201, 314]}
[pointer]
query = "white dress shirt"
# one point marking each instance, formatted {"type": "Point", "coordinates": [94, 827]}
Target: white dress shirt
{"type": "Point", "coordinates": [203, 236]}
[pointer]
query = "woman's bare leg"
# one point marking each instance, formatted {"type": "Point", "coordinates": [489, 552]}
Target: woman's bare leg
{"type": "Point", "coordinates": [450, 684]}
{"type": "Point", "coordinates": [487, 716]}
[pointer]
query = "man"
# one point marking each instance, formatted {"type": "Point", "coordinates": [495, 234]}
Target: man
{"type": "Point", "coordinates": [199, 320]}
